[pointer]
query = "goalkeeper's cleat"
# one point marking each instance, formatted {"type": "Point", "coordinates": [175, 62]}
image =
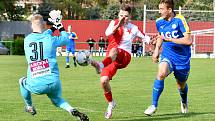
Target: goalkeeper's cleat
{"type": "Point", "coordinates": [184, 108]}
{"type": "Point", "coordinates": [31, 110]}
{"type": "Point", "coordinates": [96, 65]}
{"type": "Point", "coordinates": [111, 106]}
{"type": "Point", "coordinates": [150, 110]}
{"type": "Point", "coordinates": [81, 116]}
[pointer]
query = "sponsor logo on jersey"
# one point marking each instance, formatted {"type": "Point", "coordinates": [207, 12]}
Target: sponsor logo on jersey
{"type": "Point", "coordinates": [172, 34]}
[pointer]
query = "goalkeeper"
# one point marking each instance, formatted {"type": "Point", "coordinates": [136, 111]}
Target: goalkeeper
{"type": "Point", "coordinates": [43, 74]}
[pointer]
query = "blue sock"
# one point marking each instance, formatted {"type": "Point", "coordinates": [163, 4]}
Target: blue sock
{"type": "Point", "coordinates": [26, 95]}
{"type": "Point", "coordinates": [183, 94]}
{"type": "Point", "coordinates": [157, 90]}
{"type": "Point", "coordinates": [67, 59]}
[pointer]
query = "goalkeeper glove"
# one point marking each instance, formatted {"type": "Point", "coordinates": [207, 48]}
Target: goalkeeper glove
{"type": "Point", "coordinates": [56, 18]}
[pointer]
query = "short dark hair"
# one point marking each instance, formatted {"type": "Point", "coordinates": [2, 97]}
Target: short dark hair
{"type": "Point", "coordinates": [169, 3]}
{"type": "Point", "coordinates": [126, 7]}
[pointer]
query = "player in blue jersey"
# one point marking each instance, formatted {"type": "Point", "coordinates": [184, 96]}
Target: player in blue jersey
{"type": "Point", "coordinates": [175, 39]}
{"type": "Point", "coordinates": [43, 74]}
{"type": "Point", "coordinates": [71, 47]}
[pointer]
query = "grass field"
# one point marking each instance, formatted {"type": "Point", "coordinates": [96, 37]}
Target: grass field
{"type": "Point", "coordinates": [131, 87]}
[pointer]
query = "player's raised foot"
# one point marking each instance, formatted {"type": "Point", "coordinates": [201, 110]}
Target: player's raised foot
{"type": "Point", "coordinates": [67, 66]}
{"type": "Point", "coordinates": [31, 110]}
{"type": "Point", "coordinates": [150, 110]}
{"type": "Point", "coordinates": [184, 108]}
{"type": "Point", "coordinates": [96, 65]}
{"type": "Point", "coordinates": [81, 116]}
{"type": "Point", "coordinates": [111, 106]}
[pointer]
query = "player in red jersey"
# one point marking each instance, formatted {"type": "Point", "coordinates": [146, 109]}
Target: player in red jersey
{"type": "Point", "coordinates": [121, 34]}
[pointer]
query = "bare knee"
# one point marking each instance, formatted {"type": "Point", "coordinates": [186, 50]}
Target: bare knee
{"type": "Point", "coordinates": [181, 85]}
{"type": "Point", "coordinates": [113, 53]}
{"type": "Point", "coordinates": [104, 81]}
{"type": "Point", "coordinates": [161, 76]}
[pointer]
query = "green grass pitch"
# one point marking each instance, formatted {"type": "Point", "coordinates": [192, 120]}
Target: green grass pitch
{"type": "Point", "coordinates": [131, 87]}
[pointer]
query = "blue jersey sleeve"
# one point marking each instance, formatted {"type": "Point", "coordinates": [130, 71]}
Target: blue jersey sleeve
{"type": "Point", "coordinates": [61, 40]}
{"type": "Point", "coordinates": [48, 31]}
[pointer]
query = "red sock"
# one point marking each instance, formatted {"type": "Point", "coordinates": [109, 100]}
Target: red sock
{"type": "Point", "coordinates": [108, 96]}
{"type": "Point", "coordinates": [107, 61]}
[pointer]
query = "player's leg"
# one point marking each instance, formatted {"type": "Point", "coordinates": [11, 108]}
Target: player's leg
{"type": "Point", "coordinates": [67, 57]}
{"type": "Point", "coordinates": [183, 90]}
{"type": "Point", "coordinates": [102, 50]}
{"type": "Point", "coordinates": [112, 55]}
{"type": "Point", "coordinates": [55, 95]}
{"type": "Point", "coordinates": [26, 95]}
{"type": "Point", "coordinates": [99, 51]}
{"type": "Point", "coordinates": [73, 56]}
{"type": "Point", "coordinates": [181, 76]}
{"type": "Point", "coordinates": [164, 69]}
{"type": "Point", "coordinates": [91, 50]}
{"type": "Point", "coordinates": [106, 76]}
{"type": "Point", "coordinates": [123, 59]}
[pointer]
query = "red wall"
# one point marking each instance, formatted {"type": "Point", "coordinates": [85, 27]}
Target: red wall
{"type": "Point", "coordinates": [96, 28]}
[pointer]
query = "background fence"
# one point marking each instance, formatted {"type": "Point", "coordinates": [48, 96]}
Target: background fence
{"type": "Point", "coordinates": [201, 24]}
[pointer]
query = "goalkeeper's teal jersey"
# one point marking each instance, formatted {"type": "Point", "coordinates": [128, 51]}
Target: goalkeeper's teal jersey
{"type": "Point", "coordinates": [40, 53]}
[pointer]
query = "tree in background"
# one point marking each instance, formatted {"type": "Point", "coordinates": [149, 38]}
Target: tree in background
{"type": "Point", "coordinates": [111, 12]}
{"type": "Point", "coordinates": [8, 11]}
{"type": "Point", "coordinates": [97, 9]}
{"type": "Point", "coordinates": [93, 13]}
{"type": "Point", "coordinates": [44, 9]}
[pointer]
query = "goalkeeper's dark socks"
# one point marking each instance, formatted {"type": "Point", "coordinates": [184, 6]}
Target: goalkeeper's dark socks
{"type": "Point", "coordinates": [107, 61]}
{"type": "Point", "coordinates": [183, 94]}
{"type": "Point", "coordinates": [74, 59]}
{"type": "Point", "coordinates": [157, 90]}
{"type": "Point", "coordinates": [108, 96]}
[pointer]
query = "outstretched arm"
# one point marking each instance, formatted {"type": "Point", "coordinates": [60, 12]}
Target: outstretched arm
{"type": "Point", "coordinates": [186, 40]}
{"type": "Point", "coordinates": [145, 38]}
{"type": "Point", "coordinates": [156, 53]}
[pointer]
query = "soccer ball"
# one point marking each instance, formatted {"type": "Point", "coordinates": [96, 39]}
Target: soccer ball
{"type": "Point", "coordinates": [83, 58]}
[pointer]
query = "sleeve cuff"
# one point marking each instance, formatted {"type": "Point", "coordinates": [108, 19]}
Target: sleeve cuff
{"type": "Point", "coordinates": [53, 29]}
{"type": "Point", "coordinates": [61, 29]}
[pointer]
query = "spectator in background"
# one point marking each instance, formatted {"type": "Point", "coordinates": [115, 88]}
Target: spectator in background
{"type": "Point", "coordinates": [134, 49]}
{"type": "Point", "coordinates": [106, 43]}
{"type": "Point", "coordinates": [101, 45]}
{"type": "Point", "coordinates": [140, 50]}
{"type": "Point", "coordinates": [91, 43]}
{"type": "Point", "coordinates": [139, 47]}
